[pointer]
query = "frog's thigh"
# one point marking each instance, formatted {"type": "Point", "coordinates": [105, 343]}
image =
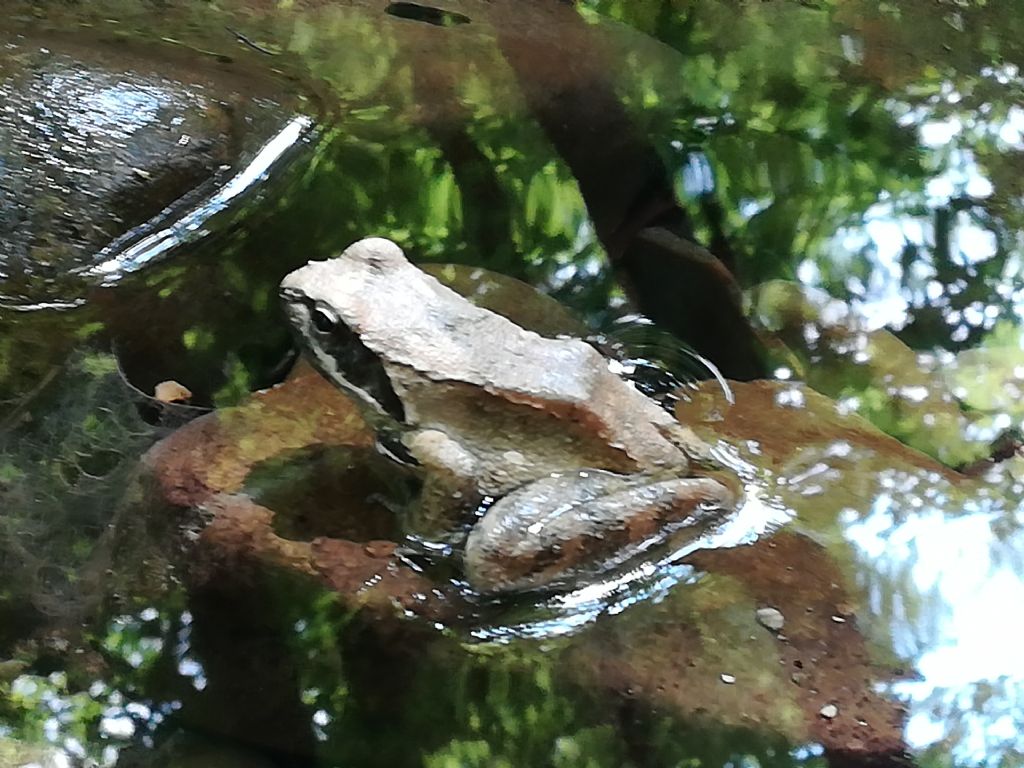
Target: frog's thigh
{"type": "Point", "coordinates": [558, 526]}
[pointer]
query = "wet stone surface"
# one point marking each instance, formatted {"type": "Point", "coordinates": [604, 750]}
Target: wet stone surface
{"type": "Point", "coordinates": [96, 140]}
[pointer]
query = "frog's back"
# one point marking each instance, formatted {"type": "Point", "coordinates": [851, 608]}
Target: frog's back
{"type": "Point", "coordinates": [409, 318]}
{"type": "Point", "coordinates": [413, 322]}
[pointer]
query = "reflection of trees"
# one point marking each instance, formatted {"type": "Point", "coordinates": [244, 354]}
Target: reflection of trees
{"type": "Point", "coordinates": [487, 219]}
{"type": "Point", "coordinates": [742, 139]}
{"type": "Point", "coordinates": [755, 140]}
{"type": "Point", "coordinates": [765, 132]}
{"type": "Point", "coordinates": [806, 155]}
{"type": "Point", "coordinates": [292, 673]}
{"type": "Point", "coordinates": [973, 725]}
{"type": "Point", "coordinates": [628, 191]}
{"type": "Point", "coordinates": [955, 621]}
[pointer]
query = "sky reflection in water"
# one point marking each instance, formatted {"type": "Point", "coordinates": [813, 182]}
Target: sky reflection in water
{"type": "Point", "coordinates": [883, 301]}
{"type": "Point", "coordinates": [953, 566]}
{"type": "Point", "coordinates": [965, 639]}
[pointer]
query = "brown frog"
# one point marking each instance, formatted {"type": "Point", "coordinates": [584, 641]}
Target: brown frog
{"type": "Point", "coordinates": [579, 469]}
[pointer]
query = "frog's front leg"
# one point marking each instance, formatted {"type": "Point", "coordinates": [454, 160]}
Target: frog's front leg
{"type": "Point", "coordinates": [556, 529]}
{"type": "Point", "coordinates": [450, 487]}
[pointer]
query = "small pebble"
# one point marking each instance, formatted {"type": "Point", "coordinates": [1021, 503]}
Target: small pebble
{"type": "Point", "coordinates": [838, 619]}
{"type": "Point", "coordinates": [172, 392]}
{"type": "Point", "coordinates": [771, 618]}
{"type": "Point", "coordinates": [728, 679]}
{"type": "Point", "coordinates": [829, 711]}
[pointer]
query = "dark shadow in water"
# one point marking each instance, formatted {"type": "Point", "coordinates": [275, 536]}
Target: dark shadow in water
{"type": "Point", "coordinates": [339, 492]}
{"type": "Point", "coordinates": [427, 14]}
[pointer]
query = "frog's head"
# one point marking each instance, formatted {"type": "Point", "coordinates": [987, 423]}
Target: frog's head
{"type": "Point", "coordinates": [319, 300]}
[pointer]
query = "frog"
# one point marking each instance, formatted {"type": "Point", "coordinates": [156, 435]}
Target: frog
{"type": "Point", "coordinates": [562, 468]}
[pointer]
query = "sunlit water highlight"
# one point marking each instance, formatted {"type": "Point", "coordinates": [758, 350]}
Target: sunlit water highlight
{"type": "Point", "coordinates": [173, 228]}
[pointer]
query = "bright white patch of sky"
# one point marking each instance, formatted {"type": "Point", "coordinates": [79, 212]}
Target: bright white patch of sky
{"type": "Point", "coordinates": [976, 638]}
{"type": "Point", "coordinates": [884, 230]}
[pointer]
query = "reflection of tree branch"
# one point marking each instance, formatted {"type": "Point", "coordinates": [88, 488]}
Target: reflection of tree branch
{"type": "Point", "coordinates": [252, 688]}
{"type": "Point", "coordinates": [942, 225]}
{"type": "Point", "coordinates": [485, 211]}
{"type": "Point", "coordinates": [720, 244]}
{"type": "Point", "coordinates": [966, 203]}
{"type": "Point", "coordinates": [629, 193]}
{"type": "Point", "coordinates": [22, 402]}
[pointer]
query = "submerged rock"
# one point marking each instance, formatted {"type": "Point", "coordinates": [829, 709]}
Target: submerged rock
{"type": "Point", "coordinates": [96, 139]}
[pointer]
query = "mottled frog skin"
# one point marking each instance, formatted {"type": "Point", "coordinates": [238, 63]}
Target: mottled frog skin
{"type": "Point", "coordinates": [582, 468]}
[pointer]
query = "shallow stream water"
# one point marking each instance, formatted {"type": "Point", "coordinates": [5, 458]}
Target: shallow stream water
{"type": "Point", "coordinates": [821, 199]}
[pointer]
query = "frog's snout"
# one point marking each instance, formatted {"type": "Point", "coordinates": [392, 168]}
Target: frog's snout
{"type": "Point", "coordinates": [295, 308]}
{"type": "Point", "coordinates": [288, 294]}
{"type": "Point", "coordinates": [296, 285]}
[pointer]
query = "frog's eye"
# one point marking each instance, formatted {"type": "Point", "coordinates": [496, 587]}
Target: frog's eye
{"type": "Point", "coordinates": [324, 320]}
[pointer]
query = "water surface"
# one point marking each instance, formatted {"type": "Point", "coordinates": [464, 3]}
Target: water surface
{"type": "Point", "coordinates": [822, 199]}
